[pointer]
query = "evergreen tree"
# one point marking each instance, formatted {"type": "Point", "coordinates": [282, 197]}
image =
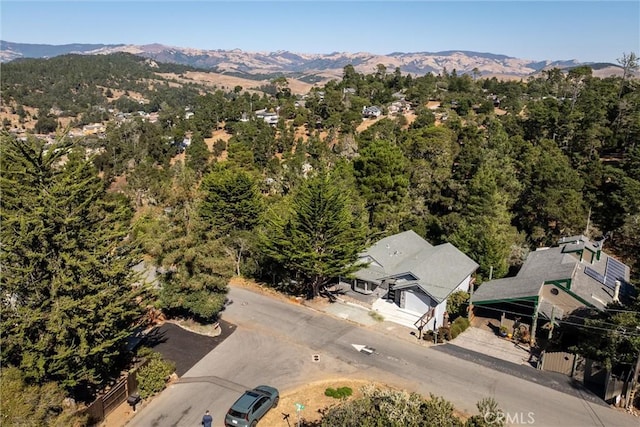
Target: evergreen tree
{"type": "Point", "coordinates": [197, 266]}
{"type": "Point", "coordinates": [197, 154]}
{"type": "Point", "coordinates": [552, 204]}
{"type": "Point", "coordinates": [381, 172]}
{"type": "Point", "coordinates": [231, 201]}
{"type": "Point", "coordinates": [68, 303]}
{"type": "Point", "coordinates": [317, 238]}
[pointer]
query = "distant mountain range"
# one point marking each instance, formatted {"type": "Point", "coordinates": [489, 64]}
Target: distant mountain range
{"type": "Point", "coordinates": [284, 62]}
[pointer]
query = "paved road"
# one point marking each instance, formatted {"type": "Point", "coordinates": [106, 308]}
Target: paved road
{"type": "Point", "coordinates": [274, 344]}
{"type": "Point", "coordinates": [553, 380]}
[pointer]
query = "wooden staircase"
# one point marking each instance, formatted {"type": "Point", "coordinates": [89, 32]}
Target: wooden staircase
{"type": "Point", "coordinates": [391, 293]}
{"type": "Point", "coordinates": [425, 318]}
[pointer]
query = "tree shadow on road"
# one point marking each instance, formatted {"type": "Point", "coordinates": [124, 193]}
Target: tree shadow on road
{"type": "Point", "coordinates": [154, 337]}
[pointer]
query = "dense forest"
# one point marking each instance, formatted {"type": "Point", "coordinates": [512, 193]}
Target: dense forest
{"type": "Point", "coordinates": [497, 168]}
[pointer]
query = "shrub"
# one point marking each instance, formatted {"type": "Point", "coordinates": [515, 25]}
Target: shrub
{"type": "Point", "coordinates": [340, 393]}
{"type": "Point", "coordinates": [444, 334]}
{"type": "Point", "coordinates": [428, 336]}
{"type": "Point", "coordinates": [153, 376]}
{"type": "Point", "coordinates": [40, 404]}
{"type": "Point", "coordinates": [376, 316]}
{"type": "Point", "coordinates": [462, 322]}
{"type": "Point", "coordinates": [455, 331]}
{"type": "Point", "coordinates": [489, 414]}
{"type": "Point", "coordinates": [457, 304]}
{"type": "Point", "coordinates": [387, 407]}
{"type": "Point", "coordinates": [218, 147]}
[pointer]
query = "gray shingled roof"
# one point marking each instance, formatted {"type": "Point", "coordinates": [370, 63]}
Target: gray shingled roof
{"type": "Point", "coordinates": [549, 264]}
{"type": "Point", "coordinates": [540, 266]}
{"type": "Point", "coordinates": [508, 288]}
{"type": "Point", "coordinates": [438, 269]}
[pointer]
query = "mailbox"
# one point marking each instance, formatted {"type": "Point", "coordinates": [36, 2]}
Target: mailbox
{"type": "Point", "coordinates": [133, 400]}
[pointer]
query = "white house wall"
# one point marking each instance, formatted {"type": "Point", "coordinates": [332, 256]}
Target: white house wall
{"type": "Point", "coordinates": [416, 302]}
{"type": "Point", "coordinates": [442, 307]}
{"type": "Point", "coordinates": [464, 285]}
{"type": "Point", "coordinates": [439, 314]}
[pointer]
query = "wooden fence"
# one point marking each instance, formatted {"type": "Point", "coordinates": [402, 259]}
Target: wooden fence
{"type": "Point", "coordinates": [558, 361]}
{"type": "Point", "coordinates": [588, 372]}
{"type": "Point", "coordinates": [115, 396]}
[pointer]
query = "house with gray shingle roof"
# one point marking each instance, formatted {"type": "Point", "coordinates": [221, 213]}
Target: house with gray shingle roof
{"type": "Point", "coordinates": [416, 276]}
{"type": "Point", "coordinates": [556, 281]}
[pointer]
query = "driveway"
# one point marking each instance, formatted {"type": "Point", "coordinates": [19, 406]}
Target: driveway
{"type": "Point", "coordinates": [485, 342]}
{"type": "Point", "coordinates": [183, 347]}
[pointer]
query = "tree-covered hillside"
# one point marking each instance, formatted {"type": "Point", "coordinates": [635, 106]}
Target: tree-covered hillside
{"type": "Point", "coordinates": [288, 190]}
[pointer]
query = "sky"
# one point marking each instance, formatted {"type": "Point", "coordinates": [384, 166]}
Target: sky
{"type": "Point", "coordinates": [589, 31]}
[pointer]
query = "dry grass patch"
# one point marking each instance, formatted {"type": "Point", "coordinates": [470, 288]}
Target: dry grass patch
{"type": "Point", "coordinates": [314, 400]}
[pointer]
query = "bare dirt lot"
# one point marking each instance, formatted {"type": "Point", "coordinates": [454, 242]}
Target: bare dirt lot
{"type": "Point", "coordinates": [229, 82]}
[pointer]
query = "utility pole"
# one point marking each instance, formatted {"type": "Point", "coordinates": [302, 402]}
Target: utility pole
{"type": "Point", "coordinates": [553, 318]}
{"type": "Point", "coordinates": [470, 307]}
{"type": "Point", "coordinates": [586, 230]}
{"type": "Point", "coordinates": [534, 325]}
{"type": "Point", "coordinates": [628, 399]}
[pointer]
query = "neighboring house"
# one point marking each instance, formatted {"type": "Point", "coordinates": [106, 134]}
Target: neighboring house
{"type": "Point", "coordinates": [93, 129]}
{"type": "Point", "coordinates": [416, 276]}
{"type": "Point", "coordinates": [372, 112]}
{"type": "Point", "coordinates": [555, 281]}
{"type": "Point", "coordinates": [399, 107]}
{"type": "Point", "coordinates": [269, 117]}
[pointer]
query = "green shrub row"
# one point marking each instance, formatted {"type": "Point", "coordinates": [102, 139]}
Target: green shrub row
{"type": "Point", "coordinates": [448, 333]}
{"type": "Point", "coordinates": [459, 326]}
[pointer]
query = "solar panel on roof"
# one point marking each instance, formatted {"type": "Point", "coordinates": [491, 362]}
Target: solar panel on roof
{"type": "Point", "coordinates": [609, 282]}
{"type": "Point", "coordinates": [615, 270]}
{"type": "Point", "coordinates": [594, 274]}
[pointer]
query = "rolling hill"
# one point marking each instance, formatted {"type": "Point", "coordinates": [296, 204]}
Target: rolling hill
{"type": "Point", "coordinates": [306, 66]}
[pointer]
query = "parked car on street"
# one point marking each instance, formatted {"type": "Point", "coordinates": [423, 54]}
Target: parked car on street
{"type": "Point", "coordinates": [252, 406]}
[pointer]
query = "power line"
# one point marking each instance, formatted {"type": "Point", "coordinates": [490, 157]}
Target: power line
{"type": "Point", "coordinates": [579, 325]}
{"type": "Point", "coordinates": [572, 316]}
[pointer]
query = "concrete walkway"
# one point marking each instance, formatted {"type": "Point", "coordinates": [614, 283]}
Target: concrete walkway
{"type": "Point", "coordinates": [348, 311]}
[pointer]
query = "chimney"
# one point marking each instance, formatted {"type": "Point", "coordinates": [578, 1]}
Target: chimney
{"type": "Point", "coordinates": [616, 292]}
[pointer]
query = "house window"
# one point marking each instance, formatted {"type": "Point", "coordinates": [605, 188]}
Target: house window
{"type": "Point", "coordinates": [363, 285]}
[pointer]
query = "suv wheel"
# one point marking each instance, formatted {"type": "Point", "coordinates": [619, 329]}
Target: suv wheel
{"type": "Point", "coordinates": [276, 401]}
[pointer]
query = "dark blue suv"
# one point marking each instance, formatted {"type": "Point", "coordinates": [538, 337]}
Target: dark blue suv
{"type": "Point", "coordinates": [252, 406]}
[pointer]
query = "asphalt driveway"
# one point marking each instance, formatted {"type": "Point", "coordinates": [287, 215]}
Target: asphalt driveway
{"type": "Point", "coordinates": [183, 347]}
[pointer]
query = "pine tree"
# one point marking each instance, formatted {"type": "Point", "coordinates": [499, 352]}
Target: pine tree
{"type": "Point", "coordinates": [231, 201]}
{"type": "Point", "coordinates": [197, 264]}
{"type": "Point", "coordinates": [381, 173]}
{"type": "Point", "coordinates": [318, 238]}
{"type": "Point", "coordinates": [68, 303]}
